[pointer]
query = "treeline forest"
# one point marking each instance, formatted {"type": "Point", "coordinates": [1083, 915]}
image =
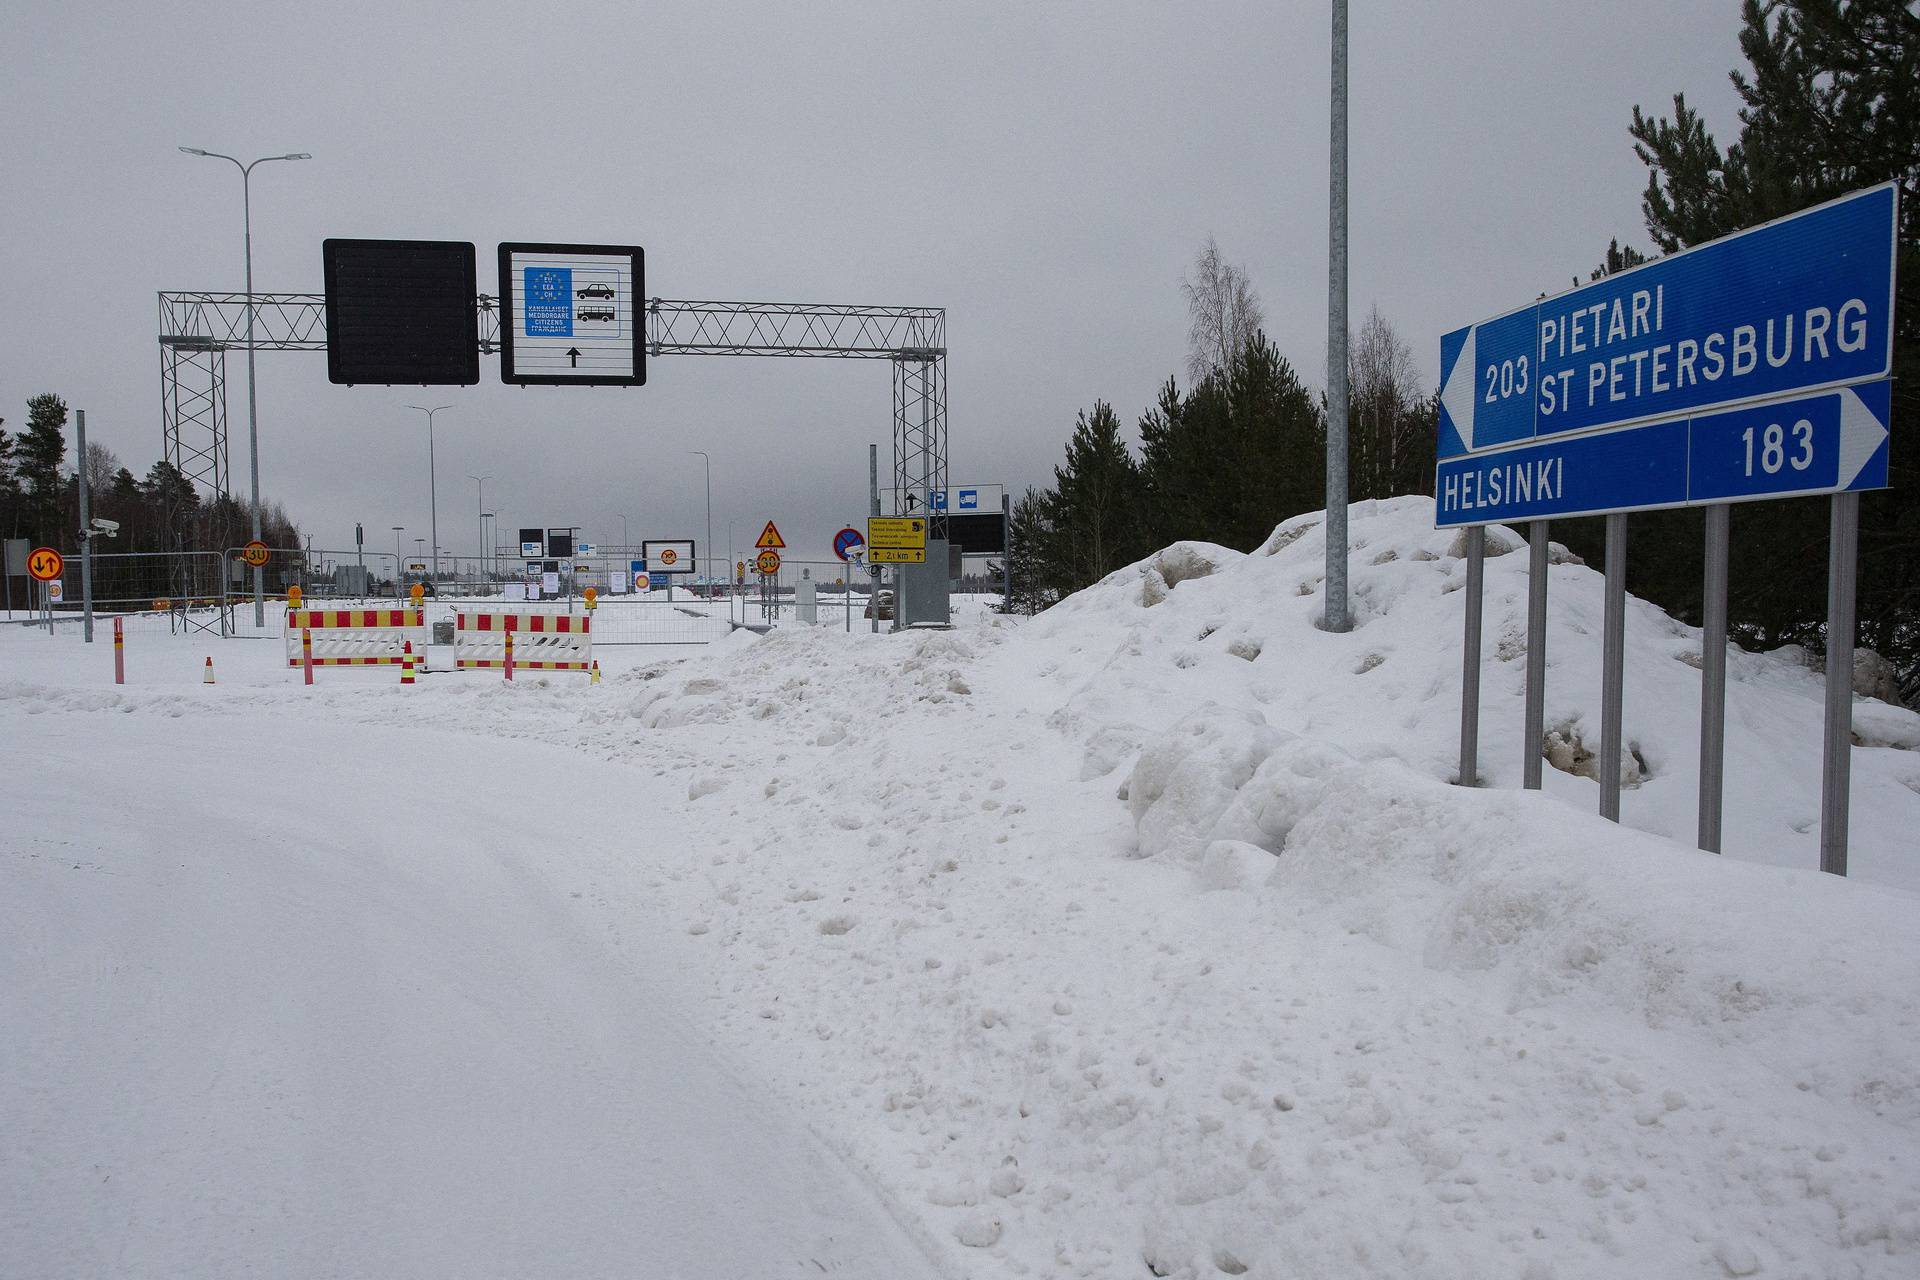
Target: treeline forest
{"type": "Point", "coordinates": [1830, 104]}
{"type": "Point", "coordinates": [160, 511]}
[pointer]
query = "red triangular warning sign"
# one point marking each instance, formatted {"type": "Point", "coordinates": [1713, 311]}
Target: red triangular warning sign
{"type": "Point", "coordinates": [770, 539]}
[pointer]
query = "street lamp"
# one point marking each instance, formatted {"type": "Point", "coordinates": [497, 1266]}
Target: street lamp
{"type": "Point", "coordinates": [482, 508]}
{"type": "Point", "coordinates": [433, 493]}
{"type": "Point", "coordinates": [398, 559]}
{"type": "Point", "coordinates": [253, 419]}
{"type": "Point", "coordinates": [709, 462]}
{"type": "Point", "coordinates": [486, 545]}
{"type": "Point", "coordinates": [624, 544]}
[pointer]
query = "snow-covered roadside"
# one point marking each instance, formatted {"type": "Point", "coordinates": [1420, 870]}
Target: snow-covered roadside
{"type": "Point", "coordinates": [1148, 938]}
{"type": "Point", "coordinates": [309, 998]}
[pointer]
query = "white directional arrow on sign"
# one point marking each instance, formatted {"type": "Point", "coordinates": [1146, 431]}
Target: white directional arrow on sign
{"type": "Point", "coordinates": [1456, 393]}
{"type": "Point", "coordinates": [1861, 435]}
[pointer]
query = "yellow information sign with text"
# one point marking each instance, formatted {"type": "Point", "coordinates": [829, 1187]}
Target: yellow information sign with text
{"type": "Point", "coordinates": [897, 533]}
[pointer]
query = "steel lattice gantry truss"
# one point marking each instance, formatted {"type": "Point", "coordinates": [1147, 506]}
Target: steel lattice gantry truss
{"type": "Point", "coordinates": [198, 329]}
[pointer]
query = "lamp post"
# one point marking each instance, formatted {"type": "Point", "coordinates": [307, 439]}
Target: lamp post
{"type": "Point", "coordinates": [487, 547]}
{"type": "Point", "coordinates": [253, 420]}
{"type": "Point", "coordinates": [709, 471]}
{"type": "Point", "coordinates": [482, 508]}
{"type": "Point", "coordinates": [433, 492]}
{"type": "Point", "coordinates": [399, 560]}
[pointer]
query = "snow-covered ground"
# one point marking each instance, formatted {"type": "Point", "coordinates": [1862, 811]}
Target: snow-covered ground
{"type": "Point", "coordinates": [1143, 938]}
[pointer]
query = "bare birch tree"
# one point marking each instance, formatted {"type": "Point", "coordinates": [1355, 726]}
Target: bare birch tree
{"type": "Point", "coordinates": [1224, 311]}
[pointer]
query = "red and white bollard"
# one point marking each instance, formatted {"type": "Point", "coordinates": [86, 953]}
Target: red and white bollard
{"type": "Point", "coordinates": [406, 663]}
{"type": "Point", "coordinates": [306, 652]}
{"type": "Point", "coordinates": [119, 650]}
{"type": "Point", "coordinates": [509, 648]}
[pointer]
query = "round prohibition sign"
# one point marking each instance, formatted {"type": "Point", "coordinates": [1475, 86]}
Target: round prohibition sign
{"type": "Point", "coordinates": [669, 556]}
{"type": "Point", "coordinates": [767, 562]}
{"type": "Point", "coordinates": [255, 553]}
{"type": "Point", "coordinates": [45, 564]}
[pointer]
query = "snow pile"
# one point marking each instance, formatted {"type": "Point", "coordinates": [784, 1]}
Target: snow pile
{"type": "Point", "coordinates": [1243, 635]}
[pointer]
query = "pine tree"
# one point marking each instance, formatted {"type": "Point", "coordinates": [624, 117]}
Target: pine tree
{"type": "Point", "coordinates": [1831, 103]}
{"type": "Point", "coordinates": [39, 453]}
{"type": "Point", "coordinates": [1029, 537]}
{"type": "Point", "coordinates": [1096, 509]}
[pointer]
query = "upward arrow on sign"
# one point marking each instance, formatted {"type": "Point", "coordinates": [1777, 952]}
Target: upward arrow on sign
{"type": "Point", "coordinates": [770, 539]}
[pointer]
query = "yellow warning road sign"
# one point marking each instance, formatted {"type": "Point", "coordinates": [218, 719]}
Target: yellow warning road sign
{"type": "Point", "coordinates": [896, 555]}
{"type": "Point", "coordinates": [770, 539]}
{"type": "Point", "coordinates": [897, 533]}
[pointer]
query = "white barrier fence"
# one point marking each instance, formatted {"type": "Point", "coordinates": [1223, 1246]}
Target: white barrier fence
{"type": "Point", "coordinates": [541, 641]}
{"type": "Point", "coordinates": [356, 637]}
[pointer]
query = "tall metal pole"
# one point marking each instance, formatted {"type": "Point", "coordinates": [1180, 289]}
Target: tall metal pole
{"type": "Point", "coordinates": [1536, 705]}
{"type": "Point", "coordinates": [1836, 774]}
{"type": "Point", "coordinates": [1713, 678]}
{"type": "Point", "coordinates": [253, 417]}
{"type": "Point", "coordinates": [873, 509]}
{"type": "Point", "coordinates": [1613, 657]}
{"type": "Point", "coordinates": [86, 528]}
{"type": "Point", "coordinates": [1336, 619]}
{"type": "Point", "coordinates": [1470, 660]}
{"type": "Point", "coordinates": [433, 487]}
{"type": "Point", "coordinates": [709, 473]}
{"type": "Point", "coordinates": [481, 508]}
{"type": "Point", "coordinates": [253, 406]}
{"type": "Point", "coordinates": [399, 560]}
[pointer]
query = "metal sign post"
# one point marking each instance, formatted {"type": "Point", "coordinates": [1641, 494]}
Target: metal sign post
{"type": "Point", "coordinates": [1470, 657]}
{"type": "Point", "coordinates": [1713, 676]}
{"type": "Point", "coordinates": [86, 527]}
{"type": "Point", "coordinates": [1536, 730]}
{"type": "Point", "coordinates": [1836, 773]}
{"type": "Point", "coordinates": [1613, 661]}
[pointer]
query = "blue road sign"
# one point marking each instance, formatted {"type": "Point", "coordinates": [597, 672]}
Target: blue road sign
{"type": "Point", "coordinates": [846, 540]}
{"type": "Point", "coordinates": [1830, 442]}
{"type": "Point", "coordinates": [547, 296]}
{"type": "Point", "coordinates": [969, 499]}
{"type": "Point", "coordinates": [1791, 306]}
{"type": "Point", "coordinates": [659, 579]}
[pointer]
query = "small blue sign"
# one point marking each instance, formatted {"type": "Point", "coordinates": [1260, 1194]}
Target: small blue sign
{"type": "Point", "coordinates": [547, 301]}
{"type": "Point", "coordinates": [846, 540]}
{"type": "Point", "coordinates": [659, 579]}
{"type": "Point", "coordinates": [1792, 306]}
{"type": "Point", "coordinates": [938, 499]}
{"type": "Point", "coordinates": [1835, 441]}
{"type": "Point", "coordinates": [969, 499]}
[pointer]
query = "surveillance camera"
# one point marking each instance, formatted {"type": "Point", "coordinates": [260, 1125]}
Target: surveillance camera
{"type": "Point", "coordinates": [108, 527]}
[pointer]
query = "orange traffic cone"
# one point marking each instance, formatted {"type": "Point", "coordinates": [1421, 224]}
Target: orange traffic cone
{"type": "Point", "coordinates": [596, 672]}
{"type": "Point", "coordinates": [206, 676]}
{"type": "Point", "coordinates": [406, 663]}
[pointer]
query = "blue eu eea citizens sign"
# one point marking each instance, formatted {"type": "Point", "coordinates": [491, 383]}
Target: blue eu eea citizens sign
{"type": "Point", "coordinates": [549, 301]}
{"type": "Point", "coordinates": [1602, 399]}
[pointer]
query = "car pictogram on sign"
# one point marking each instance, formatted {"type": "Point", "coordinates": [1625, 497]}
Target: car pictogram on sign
{"type": "Point", "coordinates": [595, 291]}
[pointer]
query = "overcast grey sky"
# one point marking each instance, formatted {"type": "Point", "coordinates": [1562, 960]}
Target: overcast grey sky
{"type": "Point", "coordinates": [1044, 172]}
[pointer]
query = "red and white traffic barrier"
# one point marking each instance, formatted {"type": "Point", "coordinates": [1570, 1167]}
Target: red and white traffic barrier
{"type": "Point", "coordinates": [540, 641]}
{"type": "Point", "coordinates": [355, 637]}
